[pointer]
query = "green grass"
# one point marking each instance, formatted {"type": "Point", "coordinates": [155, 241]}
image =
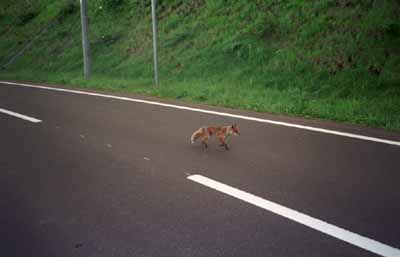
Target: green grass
{"type": "Point", "coordinates": [336, 60]}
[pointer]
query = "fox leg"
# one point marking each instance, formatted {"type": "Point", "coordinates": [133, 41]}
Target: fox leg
{"type": "Point", "coordinates": [204, 142]}
{"type": "Point", "coordinates": [226, 147]}
{"type": "Point", "coordinates": [221, 139]}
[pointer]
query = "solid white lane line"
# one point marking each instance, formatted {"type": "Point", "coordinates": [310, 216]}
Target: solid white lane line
{"type": "Point", "coordinates": [286, 124]}
{"type": "Point", "coordinates": [324, 227]}
{"type": "Point", "coordinates": [18, 115]}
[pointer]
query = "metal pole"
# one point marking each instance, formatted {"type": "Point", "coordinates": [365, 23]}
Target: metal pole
{"type": "Point", "coordinates": [153, 16]}
{"type": "Point", "coordinates": [85, 40]}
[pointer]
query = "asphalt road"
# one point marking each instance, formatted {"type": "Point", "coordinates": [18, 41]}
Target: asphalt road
{"type": "Point", "coordinates": [106, 177]}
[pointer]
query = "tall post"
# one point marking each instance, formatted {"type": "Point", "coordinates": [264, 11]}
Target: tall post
{"type": "Point", "coordinates": [153, 16]}
{"type": "Point", "coordinates": [85, 40]}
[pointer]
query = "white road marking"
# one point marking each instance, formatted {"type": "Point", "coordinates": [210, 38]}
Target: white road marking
{"type": "Point", "coordinates": [18, 115]}
{"type": "Point", "coordinates": [286, 124]}
{"type": "Point", "coordinates": [324, 227]}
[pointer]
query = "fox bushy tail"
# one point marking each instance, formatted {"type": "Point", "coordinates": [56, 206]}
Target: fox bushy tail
{"type": "Point", "coordinates": [196, 135]}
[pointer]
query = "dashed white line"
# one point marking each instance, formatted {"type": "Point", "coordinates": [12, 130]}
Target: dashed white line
{"type": "Point", "coordinates": [286, 124]}
{"type": "Point", "coordinates": [319, 225]}
{"type": "Point", "coordinates": [18, 115]}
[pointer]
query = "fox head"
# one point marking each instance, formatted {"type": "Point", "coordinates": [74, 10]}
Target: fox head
{"type": "Point", "coordinates": [234, 130]}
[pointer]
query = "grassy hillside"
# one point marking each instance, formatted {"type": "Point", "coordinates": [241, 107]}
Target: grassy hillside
{"type": "Point", "coordinates": [329, 59]}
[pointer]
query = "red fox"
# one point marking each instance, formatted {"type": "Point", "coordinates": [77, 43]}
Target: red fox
{"type": "Point", "coordinates": [221, 132]}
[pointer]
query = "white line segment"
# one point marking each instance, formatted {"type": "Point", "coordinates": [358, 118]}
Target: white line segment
{"type": "Point", "coordinates": [322, 226]}
{"type": "Point", "coordinates": [18, 115]}
{"type": "Point", "coordinates": [286, 124]}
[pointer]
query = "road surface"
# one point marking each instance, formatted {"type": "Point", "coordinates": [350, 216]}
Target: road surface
{"type": "Point", "coordinates": [101, 175]}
